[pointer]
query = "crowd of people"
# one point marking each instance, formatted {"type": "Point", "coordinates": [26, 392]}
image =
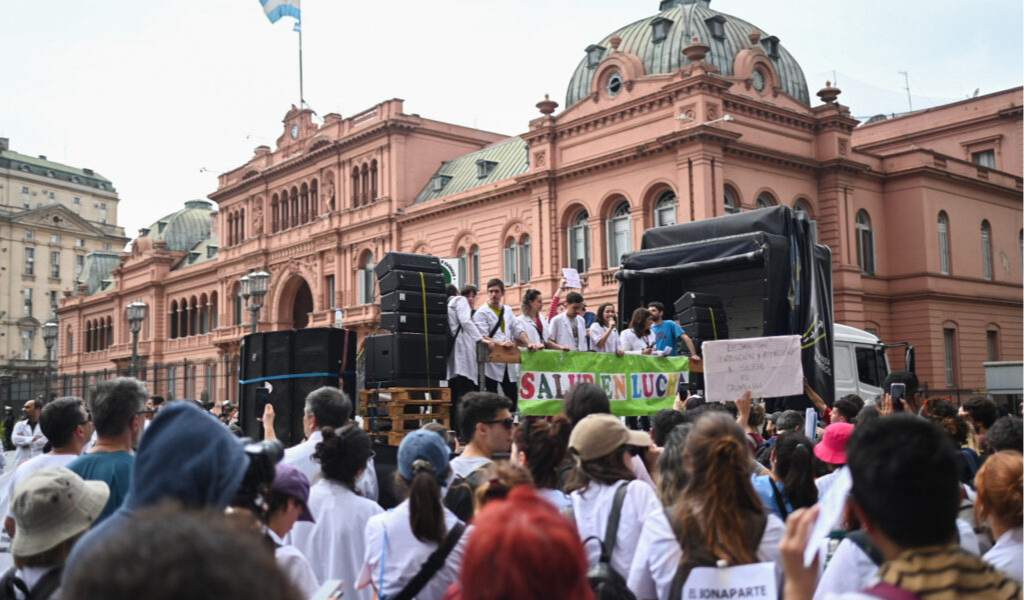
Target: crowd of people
{"type": "Point", "coordinates": [135, 501]}
{"type": "Point", "coordinates": [128, 496]}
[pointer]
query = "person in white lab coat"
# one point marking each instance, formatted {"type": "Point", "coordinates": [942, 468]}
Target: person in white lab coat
{"type": "Point", "coordinates": [604, 335]}
{"type": "Point", "coordinates": [462, 364]}
{"type": "Point", "coordinates": [27, 436]}
{"type": "Point", "coordinates": [333, 540]}
{"type": "Point", "coordinates": [638, 337]}
{"type": "Point", "coordinates": [325, 407]}
{"type": "Point", "coordinates": [533, 324]}
{"type": "Point", "coordinates": [568, 331]}
{"type": "Point", "coordinates": [497, 322]}
{"type": "Point", "coordinates": [399, 541]}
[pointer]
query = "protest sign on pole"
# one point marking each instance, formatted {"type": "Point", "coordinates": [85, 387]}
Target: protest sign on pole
{"type": "Point", "coordinates": [635, 384]}
{"type": "Point", "coordinates": [753, 582]}
{"type": "Point", "coordinates": [767, 367]}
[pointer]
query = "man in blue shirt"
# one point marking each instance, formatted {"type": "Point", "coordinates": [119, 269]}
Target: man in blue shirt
{"type": "Point", "coordinates": [668, 333]}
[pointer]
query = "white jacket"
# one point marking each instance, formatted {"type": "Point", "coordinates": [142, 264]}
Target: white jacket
{"type": "Point", "coordinates": [485, 320]}
{"type": "Point", "coordinates": [22, 437]}
{"type": "Point", "coordinates": [462, 358]}
{"type": "Point", "coordinates": [560, 332]}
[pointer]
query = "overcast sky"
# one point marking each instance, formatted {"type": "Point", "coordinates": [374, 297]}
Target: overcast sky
{"type": "Point", "coordinates": [161, 96]}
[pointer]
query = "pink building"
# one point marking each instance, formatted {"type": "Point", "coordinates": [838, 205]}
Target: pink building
{"type": "Point", "coordinates": [688, 114]}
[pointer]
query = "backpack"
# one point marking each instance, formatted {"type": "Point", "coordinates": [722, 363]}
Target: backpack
{"type": "Point", "coordinates": [605, 581]}
{"type": "Point", "coordinates": [461, 492]}
{"type": "Point", "coordinates": [47, 585]}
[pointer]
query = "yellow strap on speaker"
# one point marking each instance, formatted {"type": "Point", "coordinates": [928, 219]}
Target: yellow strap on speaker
{"type": "Point", "coordinates": [714, 326]}
{"type": "Point", "coordinates": [426, 332]}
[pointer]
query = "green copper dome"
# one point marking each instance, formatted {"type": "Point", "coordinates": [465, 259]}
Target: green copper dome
{"type": "Point", "coordinates": [183, 229]}
{"type": "Point", "coordinates": [680, 21]}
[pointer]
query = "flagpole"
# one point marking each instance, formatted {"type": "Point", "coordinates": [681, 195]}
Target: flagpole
{"type": "Point", "coordinates": [302, 97]}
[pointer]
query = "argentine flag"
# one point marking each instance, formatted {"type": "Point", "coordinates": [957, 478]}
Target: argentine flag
{"type": "Point", "coordinates": [275, 9]}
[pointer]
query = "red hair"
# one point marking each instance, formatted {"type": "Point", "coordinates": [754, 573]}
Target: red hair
{"type": "Point", "coordinates": [520, 548]}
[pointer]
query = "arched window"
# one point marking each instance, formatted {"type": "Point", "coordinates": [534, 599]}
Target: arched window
{"type": "Point", "coordinates": [314, 200]}
{"type": "Point", "coordinates": [88, 336]}
{"type": "Point", "coordinates": [193, 316]}
{"type": "Point", "coordinates": [304, 204]}
{"type": "Point", "coordinates": [619, 238]}
{"type": "Point", "coordinates": [525, 260]}
{"type": "Point", "coordinates": [355, 186]}
{"type": "Point", "coordinates": [110, 332]}
{"type": "Point", "coordinates": [803, 206]}
{"type": "Point", "coordinates": [173, 325]}
{"type": "Point", "coordinates": [992, 342]}
{"type": "Point", "coordinates": [241, 226]}
{"type": "Point", "coordinates": [364, 184]}
{"type": "Point", "coordinates": [511, 261]}
{"type": "Point", "coordinates": [204, 314]}
{"type": "Point", "coordinates": [731, 201]}
{"type": "Point", "coordinates": [579, 242]}
{"type": "Point", "coordinates": [765, 199]}
{"type": "Point", "coordinates": [986, 251]}
{"type": "Point", "coordinates": [945, 260]}
{"type": "Point", "coordinates": [366, 278]}
{"type": "Point", "coordinates": [463, 263]}
{"type": "Point", "coordinates": [213, 310]}
{"type": "Point", "coordinates": [237, 308]}
{"type": "Point", "coordinates": [295, 207]}
{"type": "Point", "coordinates": [665, 209]}
{"type": "Point", "coordinates": [865, 243]}
{"type": "Point", "coordinates": [950, 352]}
{"type": "Point", "coordinates": [284, 211]}
{"type": "Point", "coordinates": [273, 214]}
{"type": "Point", "coordinates": [373, 180]}
{"type": "Point", "coordinates": [69, 340]}
{"type": "Point", "coordinates": [474, 265]}
{"type": "Point", "coordinates": [231, 228]}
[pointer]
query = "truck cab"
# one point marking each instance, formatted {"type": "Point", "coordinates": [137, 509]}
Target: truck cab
{"type": "Point", "coordinates": [859, 363]}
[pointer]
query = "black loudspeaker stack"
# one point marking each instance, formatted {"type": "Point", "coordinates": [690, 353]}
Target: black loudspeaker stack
{"type": "Point", "coordinates": [414, 312]}
{"type": "Point", "coordinates": [282, 367]}
{"type": "Point", "coordinates": [703, 318]}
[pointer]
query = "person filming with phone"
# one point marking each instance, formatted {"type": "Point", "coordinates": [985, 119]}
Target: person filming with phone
{"type": "Point", "coordinates": [899, 394]}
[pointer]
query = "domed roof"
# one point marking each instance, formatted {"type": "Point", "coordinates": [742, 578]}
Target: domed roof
{"type": "Point", "coordinates": [689, 19]}
{"type": "Point", "coordinates": [183, 229]}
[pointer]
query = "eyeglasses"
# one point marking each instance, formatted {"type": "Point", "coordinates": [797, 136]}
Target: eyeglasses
{"type": "Point", "coordinates": [506, 423]}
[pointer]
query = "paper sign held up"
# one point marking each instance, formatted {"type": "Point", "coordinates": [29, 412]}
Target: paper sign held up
{"type": "Point", "coordinates": [572, 278]}
{"type": "Point", "coordinates": [767, 366]}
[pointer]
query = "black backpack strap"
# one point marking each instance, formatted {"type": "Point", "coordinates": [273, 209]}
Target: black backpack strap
{"type": "Point", "coordinates": [11, 584]}
{"type": "Point", "coordinates": [47, 585]}
{"type": "Point", "coordinates": [432, 565]}
{"type": "Point", "coordinates": [612, 531]}
{"type": "Point", "coordinates": [780, 500]}
{"type": "Point", "coordinates": [501, 319]}
{"type": "Point", "coordinates": [861, 539]}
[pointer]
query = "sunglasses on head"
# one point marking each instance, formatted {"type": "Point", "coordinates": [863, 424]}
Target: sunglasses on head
{"type": "Point", "coordinates": [506, 423]}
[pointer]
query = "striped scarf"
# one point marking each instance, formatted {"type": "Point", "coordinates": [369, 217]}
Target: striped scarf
{"type": "Point", "coordinates": [947, 573]}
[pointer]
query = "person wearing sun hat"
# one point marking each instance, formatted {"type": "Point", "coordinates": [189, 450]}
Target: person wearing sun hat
{"type": "Point", "coordinates": [831, 450]}
{"type": "Point", "coordinates": [601, 446]}
{"type": "Point", "coordinates": [52, 509]}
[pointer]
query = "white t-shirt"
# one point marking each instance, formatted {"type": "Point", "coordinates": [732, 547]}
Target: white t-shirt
{"type": "Point", "coordinates": [27, 468]}
{"type": "Point", "coordinates": [560, 332]}
{"type": "Point", "coordinates": [611, 345]}
{"type": "Point", "coordinates": [658, 555]}
{"type": "Point", "coordinates": [592, 506]}
{"type": "Point", "coordinates": [334, 544]}
{"type": "Point", "coordinates": [394, 555]}
{"type": "Point", "coordinates": [463, 465]}
{"type": "Point", "coordinates": [300, 456]}
{"type": "Point", "coordinates": [631, 343]}
{"type": "Point", "coordinates": [852, 570]}
{"type": "Point", "coordinates": [295, 565]}
{"type": "Point", "coordinates": [1008, 554]}
{"type": "Point", "coordinates": [557, 498]}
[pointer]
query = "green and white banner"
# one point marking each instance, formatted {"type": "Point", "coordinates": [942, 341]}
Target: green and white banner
{"type": "Point", "coordinates": [636, 384]}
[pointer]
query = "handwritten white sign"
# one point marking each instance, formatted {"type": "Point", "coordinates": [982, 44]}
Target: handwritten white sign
{"type": "Point", "coordinates": [572, 278]}
{"type": "Point", "coordinates": [830, 514]}
{"type": "Point", "coordinates": [768, 367]}
{"type": "Point", "coordinates": [755, 582]}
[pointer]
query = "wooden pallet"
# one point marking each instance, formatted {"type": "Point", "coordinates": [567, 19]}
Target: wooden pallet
{"type": "Point", "coordinates": [389, 413]}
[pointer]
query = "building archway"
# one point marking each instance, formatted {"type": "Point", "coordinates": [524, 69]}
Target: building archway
{"type": "Point", "coordinates": [296, 303]}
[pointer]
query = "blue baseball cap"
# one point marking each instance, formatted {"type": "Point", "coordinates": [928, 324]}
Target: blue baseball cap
{"type": "Point", "coordinates": [425, 445]}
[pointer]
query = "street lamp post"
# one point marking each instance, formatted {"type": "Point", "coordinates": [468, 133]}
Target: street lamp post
{"type": "Point", "coordinates": [50, 329]}
{"type": "Point", "coordinates": [136, 314]}
{"type": "Point", "coordinates": [253, 289]}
